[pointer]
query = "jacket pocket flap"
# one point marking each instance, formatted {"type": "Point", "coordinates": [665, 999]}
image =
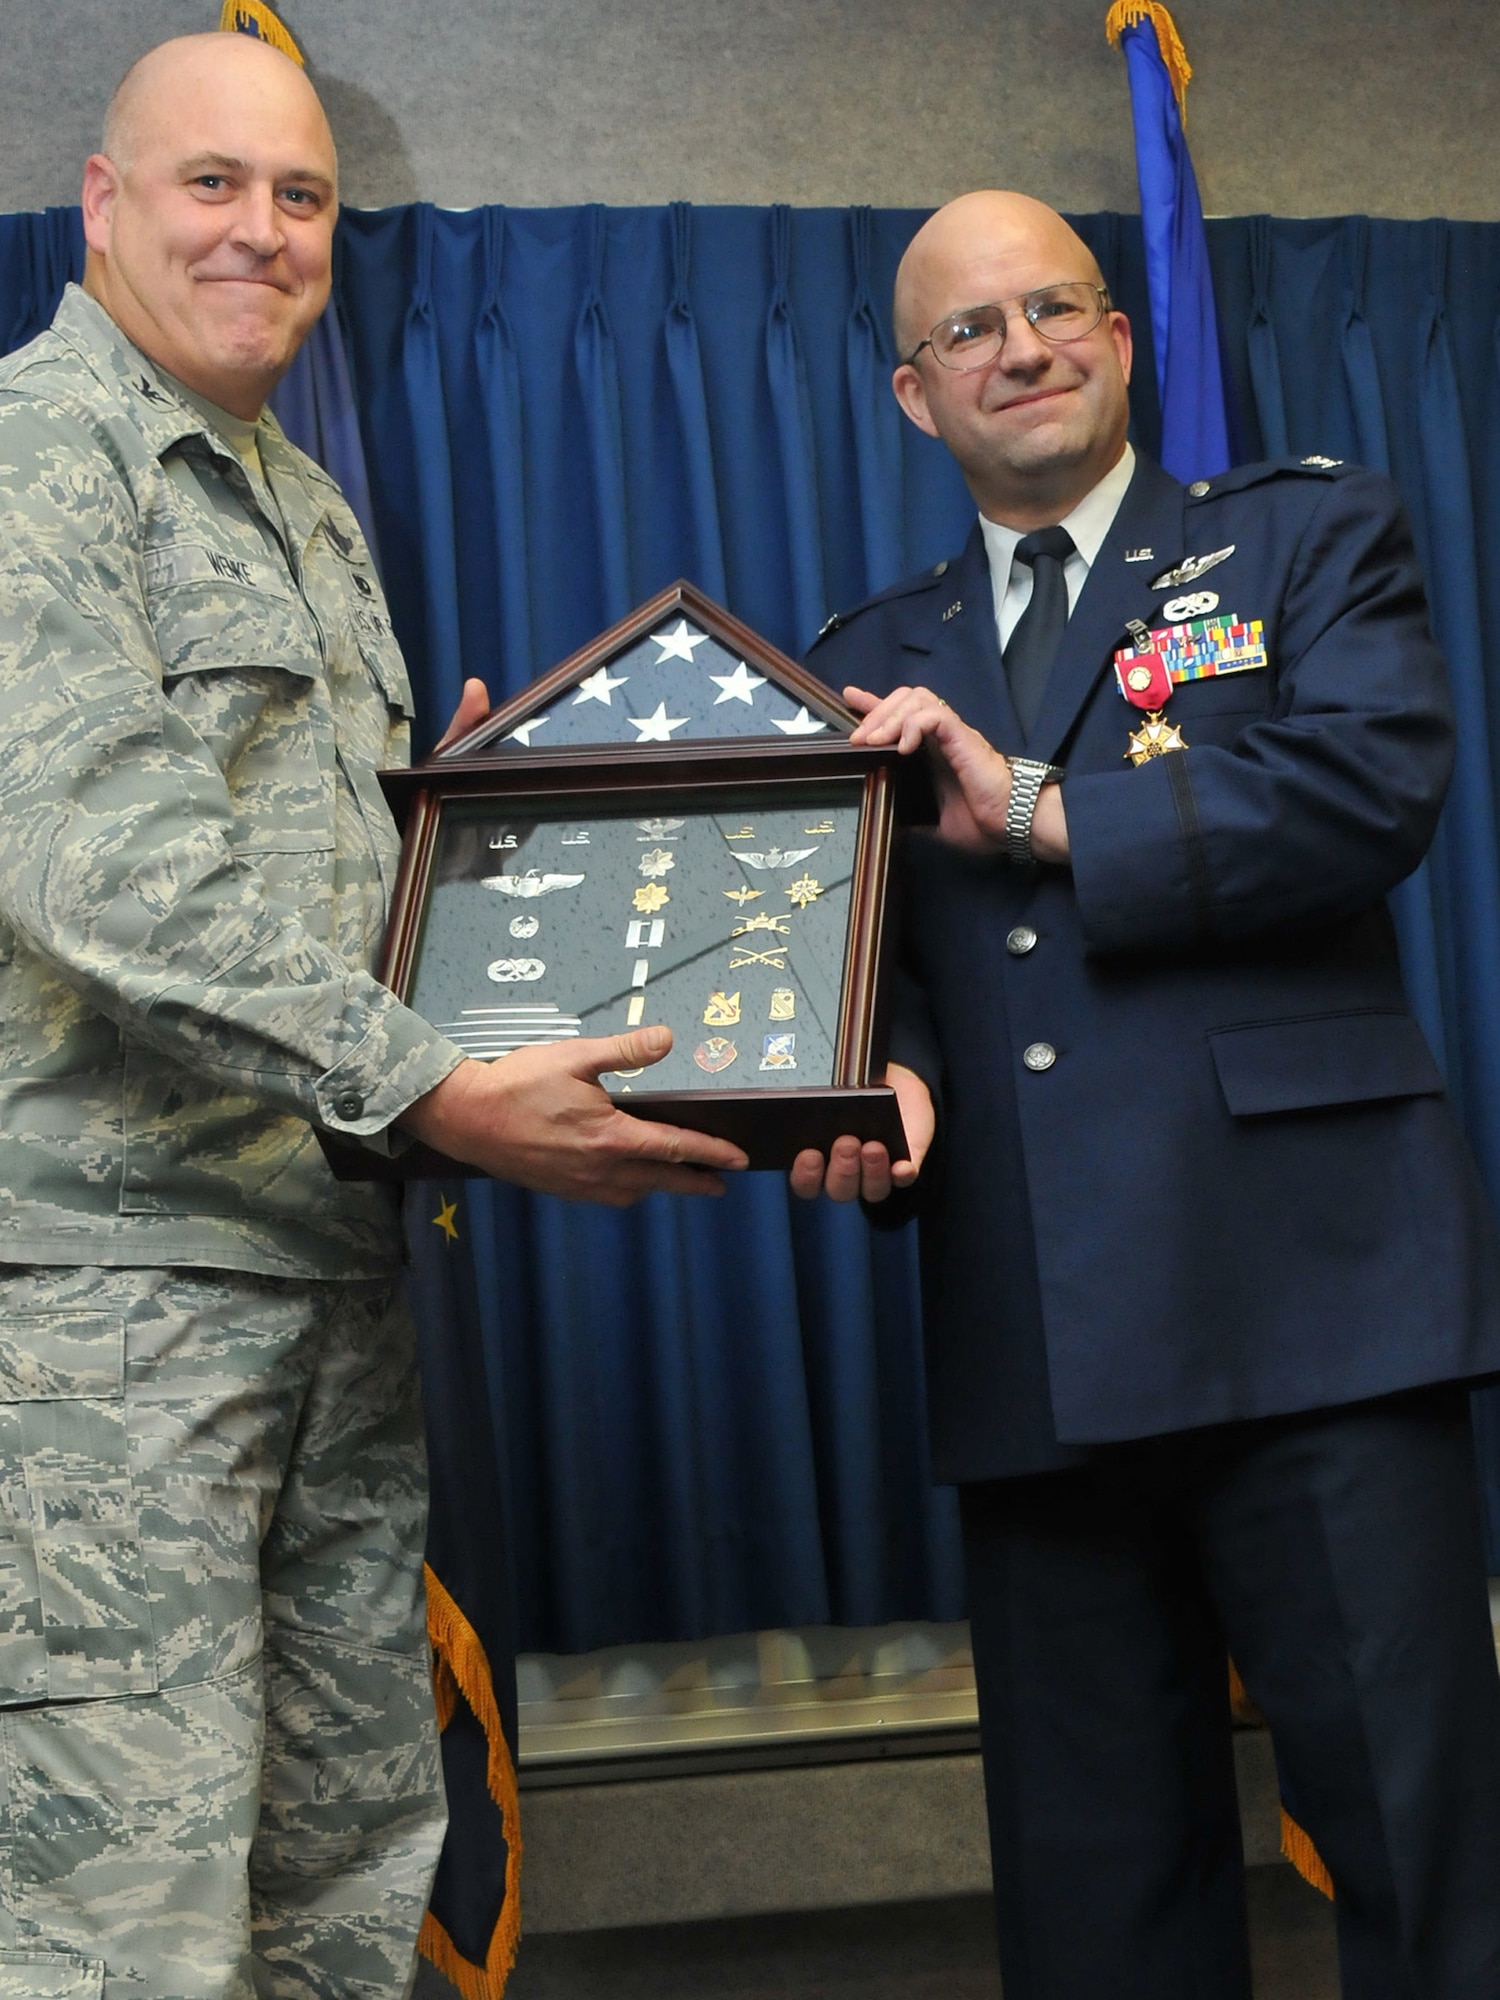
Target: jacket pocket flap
{"type": "Point", "coordinates": [1323, 1059]}
{"type": "Point", "coordinates": [50, 1975]}
{"type": "Point", "coordinates": [55, 1357]}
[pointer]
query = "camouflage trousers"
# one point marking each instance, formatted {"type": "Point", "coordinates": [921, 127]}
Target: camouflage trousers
{"type": "Point", "coordinates": [218, 1760]}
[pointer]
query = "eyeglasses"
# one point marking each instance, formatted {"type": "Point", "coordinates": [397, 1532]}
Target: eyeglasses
{"type": "Point", "coordinates": [972, 339]}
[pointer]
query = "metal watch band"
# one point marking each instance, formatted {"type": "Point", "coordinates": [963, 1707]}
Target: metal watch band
{"type": "Point", "coordinates": [1027, 777]}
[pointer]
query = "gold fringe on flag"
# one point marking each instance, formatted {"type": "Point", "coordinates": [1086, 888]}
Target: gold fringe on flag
{"type": "Point", "coordinates": [461, 1667]}
{"type": "Point", "coordinates": [1241, 1707]}
{"type": "Point", "coordinates": [1296, 1844]}
{"type": "Point", "coordinates": [1304, 1857]}
{"type": "Point", "coordinates": [1125, 13]}
{"type": "Point", "coordinates": [253, 17]}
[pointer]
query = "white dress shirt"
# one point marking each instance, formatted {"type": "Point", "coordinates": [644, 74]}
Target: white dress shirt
{"type": "Point", "coordinates": [1088, 524]}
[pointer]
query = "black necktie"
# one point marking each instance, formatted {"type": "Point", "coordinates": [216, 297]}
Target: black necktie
{"type": "Point", "coordinates": [1033, 644]}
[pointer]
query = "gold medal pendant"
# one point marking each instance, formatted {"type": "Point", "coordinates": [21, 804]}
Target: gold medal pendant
{"type": "Point", "coordinates": [1154, 738]}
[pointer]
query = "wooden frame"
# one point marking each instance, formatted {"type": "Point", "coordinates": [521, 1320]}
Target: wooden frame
{"type": "Point", "coordinates": [681, 598]}
{"type": "Point", "coordinates": [808, 978]}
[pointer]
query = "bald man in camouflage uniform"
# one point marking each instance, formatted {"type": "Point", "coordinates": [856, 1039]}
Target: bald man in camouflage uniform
{"type": "Point", "coordinates": [218, 1769]}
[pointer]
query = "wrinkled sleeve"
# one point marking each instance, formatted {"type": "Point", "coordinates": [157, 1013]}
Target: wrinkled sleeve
{"type": "Point", "coordinates": [116, 858]}
{"type": "Point", "coordinates": [1315, 812]}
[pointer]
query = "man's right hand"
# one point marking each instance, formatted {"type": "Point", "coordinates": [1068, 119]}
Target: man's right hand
{"type": "Point", "coordinates": [971, 776]}
{"type": "Point", "coordinates": [539, 1117]}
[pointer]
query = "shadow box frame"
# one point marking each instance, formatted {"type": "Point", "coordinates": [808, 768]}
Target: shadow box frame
{"type": "Point", "coordinates": [771, 1124]}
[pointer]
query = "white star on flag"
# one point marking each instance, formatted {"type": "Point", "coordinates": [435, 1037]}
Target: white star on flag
{"type": "Point", "coordinates": [523, 734]}
{"type": "Point", "coordinates": [598, 685]}
{"type": "Point", "coordinates": [738, 686]}
{"type": "Point", "coordinates": [658, 728]}
{"type": "Point", "coordinates": [678, 645]}
{"type": "Point", "coordinates": [801, 724]}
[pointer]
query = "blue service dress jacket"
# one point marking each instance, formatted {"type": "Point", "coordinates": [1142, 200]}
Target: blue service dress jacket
{"type": "Point", "coordinates": [1194, 1162]}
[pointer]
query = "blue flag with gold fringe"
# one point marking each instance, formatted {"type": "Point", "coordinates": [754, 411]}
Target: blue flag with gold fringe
{"type": "Point", "coordinates": [1195, 427]}
{"type": "Point", "coordinates": [473, 1920]}
{"type": "Point", "coordinates": [1195, 412]}
{"type": "Point", "coordinates": [253, 17]}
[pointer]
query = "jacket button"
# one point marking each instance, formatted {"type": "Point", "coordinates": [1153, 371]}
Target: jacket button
{"type": "Point", "coordinates": [1199, 488]}
{"type": "Point", "coordinates": [1039, 1056]}
{"type": "Point", "coordinates": [1021, 940]}
{"type": "Point", "coordinates": [349, 1104]}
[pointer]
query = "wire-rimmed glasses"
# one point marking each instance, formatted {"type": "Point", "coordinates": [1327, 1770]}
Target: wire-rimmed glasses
{"type": "Point", "coordinates": [973, 338]}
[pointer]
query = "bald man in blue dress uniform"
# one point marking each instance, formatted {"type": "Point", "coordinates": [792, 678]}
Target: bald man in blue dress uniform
{"type": "Point", "coordinates": [1206, 1264]}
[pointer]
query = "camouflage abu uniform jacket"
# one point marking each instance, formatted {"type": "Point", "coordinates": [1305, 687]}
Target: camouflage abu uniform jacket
{"type": "Point", "coordinates": [198, 682]}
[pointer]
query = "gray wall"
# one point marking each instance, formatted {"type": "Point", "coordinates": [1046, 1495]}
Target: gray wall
{"type": "Point", "coordinates": [1301, 107]}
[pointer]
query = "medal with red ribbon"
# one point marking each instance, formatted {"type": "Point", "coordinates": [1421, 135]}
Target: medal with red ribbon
{"type": "Point", "coordinates": [1145, 678]}
{"type": "Point", "coordinates": [1194, 649]}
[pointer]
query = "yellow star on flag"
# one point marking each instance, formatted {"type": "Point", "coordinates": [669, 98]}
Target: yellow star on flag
{"type": "Point", "coordinates": [444, 1219]}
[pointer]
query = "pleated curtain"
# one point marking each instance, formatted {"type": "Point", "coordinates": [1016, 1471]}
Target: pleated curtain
{"type": "Point", "coordinates": [710, 1416]}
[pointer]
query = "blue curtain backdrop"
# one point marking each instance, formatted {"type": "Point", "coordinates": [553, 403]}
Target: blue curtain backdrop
{"type": "Point", "coordinates": [711, 1417]}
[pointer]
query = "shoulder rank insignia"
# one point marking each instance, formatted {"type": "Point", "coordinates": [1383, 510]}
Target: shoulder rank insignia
{"type": "Point", "coordinates": [1323, 464]}
{"type": "Point", "coordinates": [1189, 570]}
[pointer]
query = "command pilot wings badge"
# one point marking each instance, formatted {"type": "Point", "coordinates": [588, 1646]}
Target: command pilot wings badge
{"type": "Point", "coordinates": [529, 884]}
{"type": "Point", "coordinates": [1189, 570]}
{"type": "Point", "coordinates": [778, 857]}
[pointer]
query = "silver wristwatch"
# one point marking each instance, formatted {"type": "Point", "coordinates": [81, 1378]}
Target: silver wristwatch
{"type": "Point", "coordinates": [1027, 778]}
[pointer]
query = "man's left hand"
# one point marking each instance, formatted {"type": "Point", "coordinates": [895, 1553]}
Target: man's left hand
{"type": "Point", "coordinates": [972, 778]}
{"type": "Point", "coordinates": [867, 1171]}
